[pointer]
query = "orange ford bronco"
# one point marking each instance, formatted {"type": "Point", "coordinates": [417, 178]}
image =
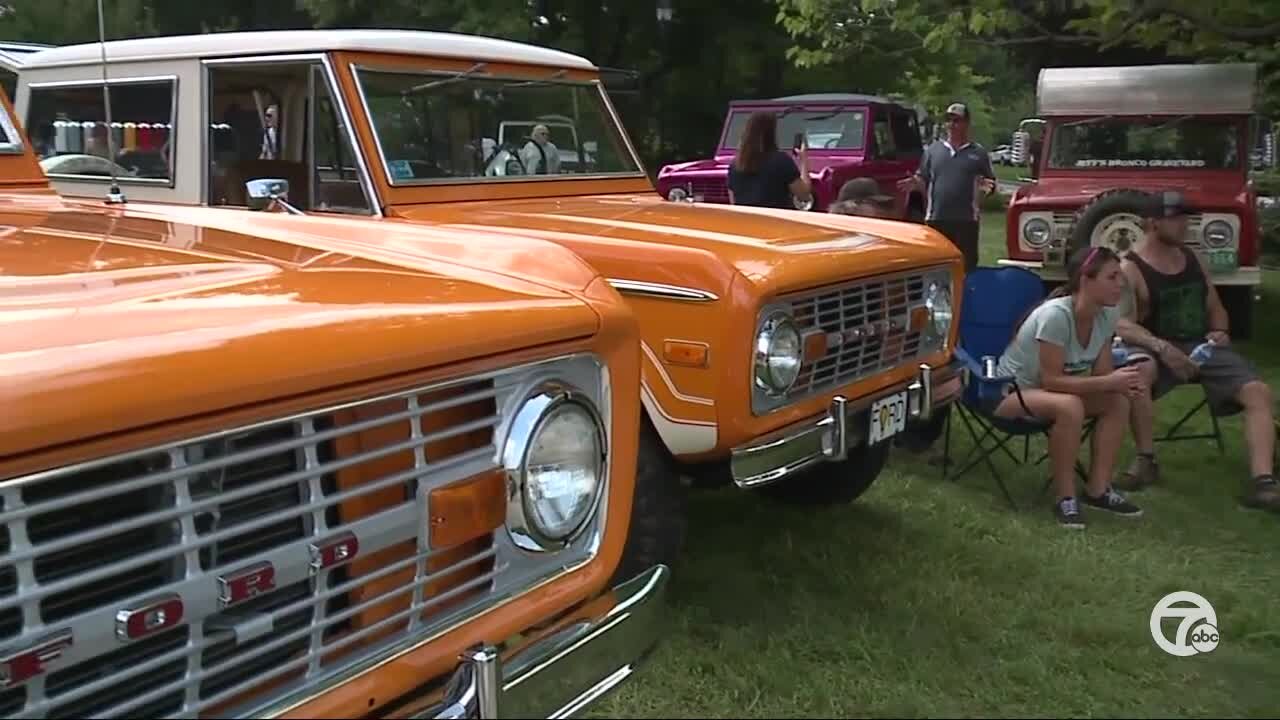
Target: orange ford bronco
{"type": "Point", "coordinates": [309, 466]}
{"type": "Point", "coordinates": [781, 350]}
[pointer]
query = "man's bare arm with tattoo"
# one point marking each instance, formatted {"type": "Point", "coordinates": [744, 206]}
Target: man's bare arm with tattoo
{"type": "Point", "coordinates": [1134, 334]}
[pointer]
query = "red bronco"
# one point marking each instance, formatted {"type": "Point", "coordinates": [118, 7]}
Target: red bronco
{"type": "Point", "coordinates": [1107, 134]}
{"type": "Point", "coordinates": [847, 135]}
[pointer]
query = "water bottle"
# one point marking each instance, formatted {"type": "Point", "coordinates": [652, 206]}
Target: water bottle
{"type": "Point", "coordinates": [1202, 352]}
{"type": "Point", "coordinates": [989, 363]}
{"type": "Point", "coordinates": [1119, 353]}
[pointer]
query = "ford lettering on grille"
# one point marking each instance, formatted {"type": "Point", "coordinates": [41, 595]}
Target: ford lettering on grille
{"type": "Point", "coordinates": [334, 552]}
{"type": "Point", "coordinates": [150, 618]}
{"type": "Point", "coordinates": [19, 667]}
{"type": "Point", "coordinates": [246, 584]}
{"type": "Point", "coordinates": [868, 328]}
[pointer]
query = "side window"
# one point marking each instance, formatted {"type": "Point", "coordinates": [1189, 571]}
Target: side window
{"type": "Point", "coordinates": [68, 129]}
{"type": "Point", "coordinates": [335, 171]}
{"type": "Point", "coordinates": [885, 147]}
{"type": "Point", "coordinates": [906, 134]}
{"type": "Point", "coordinates": [278, 120]}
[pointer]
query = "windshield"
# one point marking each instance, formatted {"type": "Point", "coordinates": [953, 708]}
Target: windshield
{"type": "Point", "coordinates": [433, 127]}
{"type": "Point", "coordinates": [1199, 143]}
{"type": "Point", "coordinates": [835, 129]}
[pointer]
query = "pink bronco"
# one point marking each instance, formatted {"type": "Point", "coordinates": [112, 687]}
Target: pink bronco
{"type": "Point", "coordinates": [848, 136]}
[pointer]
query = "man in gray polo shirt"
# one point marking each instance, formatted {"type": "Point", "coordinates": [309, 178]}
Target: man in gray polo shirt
{"type": "Point", "coordinates": [953, 171]}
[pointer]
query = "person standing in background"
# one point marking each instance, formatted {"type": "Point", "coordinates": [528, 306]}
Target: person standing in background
{"type": "Point", "coordinates": [270, 149]}
{"type": "Point", "coordinates": [862, 196]}
{"type": "Point", "coordinates": [954, 173]}
{"type": "Point", "coordinates": [761, 174]}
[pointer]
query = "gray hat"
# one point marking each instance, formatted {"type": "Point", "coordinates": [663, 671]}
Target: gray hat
{"type": "Point", "coordinates": [958, 109]}
{"type": "Point", "coordinates": [863, 189]}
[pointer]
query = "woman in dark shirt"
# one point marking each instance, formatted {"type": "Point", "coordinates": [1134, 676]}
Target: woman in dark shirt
{"type": "Point", "coordinates": [763, 175]}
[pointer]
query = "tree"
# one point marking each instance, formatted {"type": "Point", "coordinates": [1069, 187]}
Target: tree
{"type": "Point", "coordinates": [932, 49]}
{"type": "Point", "coordinates": [64, 22]}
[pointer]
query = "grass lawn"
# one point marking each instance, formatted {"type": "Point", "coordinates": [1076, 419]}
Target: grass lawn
{"type": "Point", "coordinates": [932, 599]}
{"type": "Point", "coordinates": [1011, 173]}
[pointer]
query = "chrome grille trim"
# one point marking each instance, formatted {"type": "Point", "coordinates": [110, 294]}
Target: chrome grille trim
{"type": "Point", "coordinates": [215, 505]}
{"type": "Point", "coordinates": [161, 478]}
{"type": "Point", "coordinates": [214, 501]}
{"type": "Point", "coordinates": [854, 316]}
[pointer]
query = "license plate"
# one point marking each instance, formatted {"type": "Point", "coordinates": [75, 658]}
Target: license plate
{"type": "Point", "coordinates": [888, 417]}
{"type": "Point", "coordinates": [1222, 259]}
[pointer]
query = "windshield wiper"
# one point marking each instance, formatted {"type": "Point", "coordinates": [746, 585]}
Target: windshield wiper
{"type": "Point", "coordinates": [451, 79]}
{"type": "Point", "coordinates": [1089, 121]}
{"type": "Point", "coordinates": [531, 83]}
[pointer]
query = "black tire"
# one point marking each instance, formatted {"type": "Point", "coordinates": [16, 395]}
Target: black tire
{"type": "Point", "coordinates": [833, 483]}
{"type": "Point", "coordinates": [659, 510]}
{"type": "Point", "coordinates": [1239, 303]}
{"type": "Point", "coordinates": [1103, 206]}
{"type": "Point", "coordinates": [919, 437]}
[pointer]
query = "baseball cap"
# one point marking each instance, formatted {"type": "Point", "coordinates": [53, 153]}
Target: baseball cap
{"type": "Point", "coordinates": [1166, 204]}
{"type": "Point", "coordinates": [863, 189]}
{"type": "Point", "coordinates": [958, 109]}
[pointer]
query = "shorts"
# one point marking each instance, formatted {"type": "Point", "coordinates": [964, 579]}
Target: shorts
{"type": "Point", "coordinates": [1221, 376]}
{"type": "Point", "coordinates": [964, 235]}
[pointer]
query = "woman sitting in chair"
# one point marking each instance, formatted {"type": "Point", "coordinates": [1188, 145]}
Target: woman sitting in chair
{"type": "Point", "coordinates": [1061, 363]}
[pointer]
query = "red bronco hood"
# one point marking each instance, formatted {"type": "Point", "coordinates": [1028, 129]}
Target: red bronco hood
{"type": "Point", "coordinates": [1203, 190]}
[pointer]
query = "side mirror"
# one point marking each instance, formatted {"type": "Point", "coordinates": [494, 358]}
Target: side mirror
{"type": "Point", "coordinates": [265, 192]}
{"type": "Point", "coordinates": [1020, 151]}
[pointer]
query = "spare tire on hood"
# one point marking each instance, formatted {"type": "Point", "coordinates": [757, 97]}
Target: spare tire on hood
{"type": "Point", "coordinates": [1113, 218]}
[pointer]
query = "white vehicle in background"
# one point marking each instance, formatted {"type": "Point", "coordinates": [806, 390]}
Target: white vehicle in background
{"type": "Point", "coordinates": [11, 54]}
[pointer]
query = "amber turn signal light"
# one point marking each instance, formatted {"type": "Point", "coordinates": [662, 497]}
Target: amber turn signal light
{"type": "Point", "coordinates": [691, 354]}
{"type": "Point", "coordinates": [468, 509]}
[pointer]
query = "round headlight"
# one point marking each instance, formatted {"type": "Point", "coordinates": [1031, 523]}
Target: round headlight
{"type": "Point", "coordinates": [938, 301]}
{"type": "Point", "coordinates": [1036, 233]}
{"type": "Point", "coordinates": [677, 194]}
{"type": "Point", "coordinates": [1218, 234]}
{"type": "Point", "coordinates": [779, 354]}
{"type": "Point", "coordinates": [555, 462]}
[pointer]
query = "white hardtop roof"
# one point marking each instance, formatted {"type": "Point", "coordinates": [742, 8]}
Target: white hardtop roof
{"type": "Point", "coordinates": [1203, 89]}
{"type": "Point", "coordinates": [277, 42]}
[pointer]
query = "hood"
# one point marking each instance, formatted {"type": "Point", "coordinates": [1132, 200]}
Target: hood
{"type": "Point", "coordinates": [112, 321]}
{"type": "Point", "coordinates": [696, 166]}
{"type": "Point", "coordinates": [818, 161]}
{"type": "Point", "coordinates": [646, 238]}
{"type": "Point", "coordinates": [1208, 190]}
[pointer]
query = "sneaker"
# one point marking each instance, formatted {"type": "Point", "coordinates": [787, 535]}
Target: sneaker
{"type": "Point", "coordinates": [1113, 502]}
{"type": "Point", "coordinates": [1262, 492]}
{"type": "Point", "coordinates": [1067, 511]}
{"type": "Point", "coordinates": [1142, 473]}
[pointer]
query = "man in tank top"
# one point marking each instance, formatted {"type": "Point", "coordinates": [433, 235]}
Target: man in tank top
{"type": "Point", "coordinates": [1171, 308]}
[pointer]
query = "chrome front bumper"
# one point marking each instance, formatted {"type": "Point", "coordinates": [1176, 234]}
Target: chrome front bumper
{"type": "Point", "coordinates": [565, 671]}
{"type": "Point", "coordinates": [828, 438]}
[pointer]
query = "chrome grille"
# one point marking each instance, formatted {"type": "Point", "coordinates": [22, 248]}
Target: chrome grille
{"type": "Point", "coordinates": [867, 323]}
{"type": "Point", "coordinates": [711, 190]}
{"type": "Point", "coordinates": [1064, 224]}
{"type": "Point", "coordinates": [81, 544]}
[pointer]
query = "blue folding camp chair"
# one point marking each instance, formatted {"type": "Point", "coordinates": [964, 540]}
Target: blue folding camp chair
{"type": "Point", "coordinates": [995, 300]}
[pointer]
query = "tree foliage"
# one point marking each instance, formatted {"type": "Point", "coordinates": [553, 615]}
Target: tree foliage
{"type": "Point", "coordinates": [931, 48]}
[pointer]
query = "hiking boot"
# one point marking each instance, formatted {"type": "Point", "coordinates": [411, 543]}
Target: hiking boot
{"type": "Point", "coordinates": [1143, 472]}
{"type": "Point", "coordinates": [1262, 492]}
{"type": "Point", "coordinates": [1067, 512]}
{"type": "Point", "coordinates": [1112, 502]}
